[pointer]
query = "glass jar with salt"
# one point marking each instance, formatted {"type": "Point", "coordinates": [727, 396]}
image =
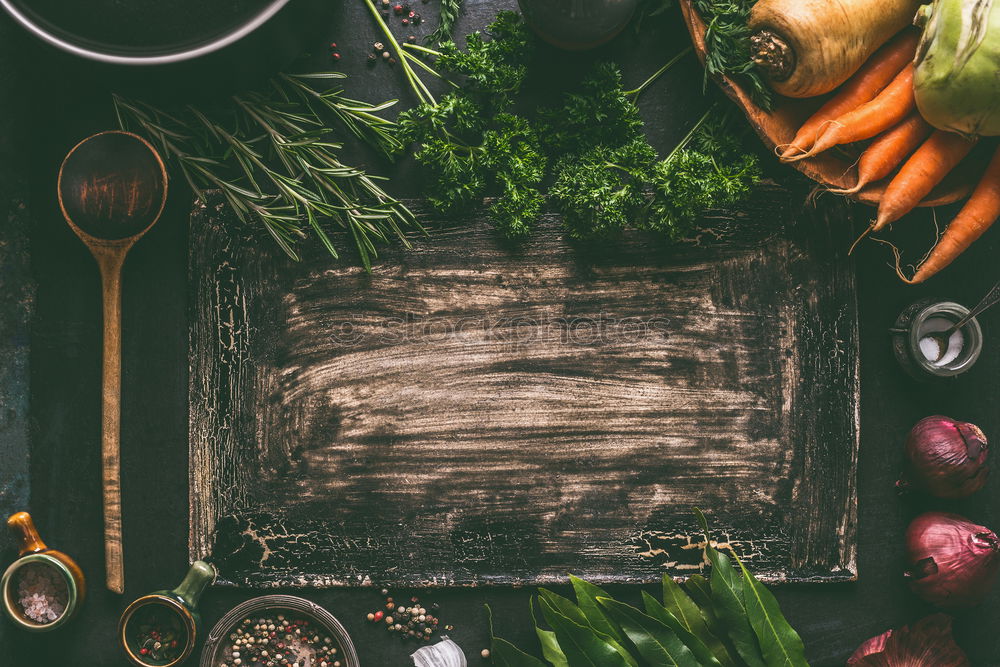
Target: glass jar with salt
{"type": "Point", "coordinates": [931, 340]}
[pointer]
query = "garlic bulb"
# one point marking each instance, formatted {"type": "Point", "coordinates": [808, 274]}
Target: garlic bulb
{"type": "Point", "coordinates": [445, 653]}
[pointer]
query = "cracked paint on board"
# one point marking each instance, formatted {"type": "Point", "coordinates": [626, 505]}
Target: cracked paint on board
{"type": "Point", "coordinates": [475, 413]}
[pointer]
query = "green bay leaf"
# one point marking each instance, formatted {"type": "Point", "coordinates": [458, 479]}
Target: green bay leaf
{"type": "Point", "coordinates": [700, 649]}
{"type": "Point", "coordinates": [780, 644]}
{"type": "Point", "coordinates": [580, 643]}
{"type": "Point", "coordinates": [658, 645]}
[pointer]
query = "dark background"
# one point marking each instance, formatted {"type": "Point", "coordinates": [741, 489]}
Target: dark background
{"type": "Point", "coordinates": [49, 102]}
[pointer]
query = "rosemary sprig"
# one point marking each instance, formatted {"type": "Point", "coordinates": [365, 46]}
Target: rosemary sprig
{"type": "Point", "coordinates": [273, 157]}
{"type": "Point", "coordinates": [446, 23]}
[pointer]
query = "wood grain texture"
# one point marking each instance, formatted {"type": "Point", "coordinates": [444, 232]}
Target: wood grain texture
{"type": "Point", "coordinates": [482, 412]}
{"type": "Point", "coordinates": [110, 263]}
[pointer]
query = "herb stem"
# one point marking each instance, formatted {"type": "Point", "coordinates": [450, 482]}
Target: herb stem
{"type": "Point", "coordinates": [694, 128]}
{"type": "Point", "coordinates": [427, 68]}
{"type": "Point", "coordinates": [656, 75]}
{"type": "Point", "coordinates": [422, 49]}
{"type": "Point", "coordinates": [420, 90]}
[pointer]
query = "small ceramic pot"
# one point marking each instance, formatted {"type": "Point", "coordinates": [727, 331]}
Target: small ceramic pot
{"type": "Point", "coordinates": [34, 551]}
{"type": "Point", "coordinates": [176, 608]}
{"type": "Point", "coordinates": [216, 642]}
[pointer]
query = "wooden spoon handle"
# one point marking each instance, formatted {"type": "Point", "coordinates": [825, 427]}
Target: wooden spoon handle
{"type": "Point", "coordinates": [111, 273]}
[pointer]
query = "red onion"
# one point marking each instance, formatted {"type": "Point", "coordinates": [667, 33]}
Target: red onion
{"type": "Point", "coordinates": [953, 562]}
{"type": "Point", "coordinates": [927, 642]}
{"type": "Point", "coordinates": [945, 458]}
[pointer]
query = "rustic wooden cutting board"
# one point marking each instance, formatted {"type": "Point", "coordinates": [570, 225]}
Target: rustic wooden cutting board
{"type": "Point", "coordinates": [478, 411]}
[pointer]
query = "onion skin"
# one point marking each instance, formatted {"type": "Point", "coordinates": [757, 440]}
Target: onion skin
{"type": "Point", "coordinates": [945, 458]}
{"type": "Point", "coordinates": [953, 562]}
{"type": "Point", "coordinates": [927, 642]}
{"type": "Point", "coordinates": [809, 47]}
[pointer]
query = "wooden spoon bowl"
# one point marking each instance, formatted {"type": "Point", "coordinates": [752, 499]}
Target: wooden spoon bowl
{"type": "Point", "coordinates": [778, 128]}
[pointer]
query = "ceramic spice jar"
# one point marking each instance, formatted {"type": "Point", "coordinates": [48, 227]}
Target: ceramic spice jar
{"type": "Point", "coordinates": [43, 588]}
{"type": "Point", "coordinates": [160, 629]}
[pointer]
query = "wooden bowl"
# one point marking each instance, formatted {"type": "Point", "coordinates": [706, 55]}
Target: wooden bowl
{"type": "Point", "coordinates": [778, 127]}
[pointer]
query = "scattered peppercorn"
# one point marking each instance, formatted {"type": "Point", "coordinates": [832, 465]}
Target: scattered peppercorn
{"type": "Point", "coordinates": [335, 55]}
{"type": "Point", "coordinates": [406, 21]}
{"type": "Point", "coordinates": [485, 653]}
{"type": "Point", "coordinates": [333, 46]}
{"type": "Point", "coordinates": [398, 9]}
{"type": "Point", "coordinates": [408, 622]}
{"type": "Point", "coordinates": [372, 58]}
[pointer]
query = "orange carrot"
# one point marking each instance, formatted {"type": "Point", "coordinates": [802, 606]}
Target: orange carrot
{"type": "Point", "coordinates": [888, 151]}
{"type": "Point", "coordinates": [888, 108]}
{"type": "Point", "coordinates": [980, 211]}
{"type": "Point", "coordinates": [868, 82]}
{"type": "Point", "coordinates": [917, 177]}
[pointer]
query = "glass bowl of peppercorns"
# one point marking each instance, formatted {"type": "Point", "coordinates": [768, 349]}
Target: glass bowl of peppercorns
{"type": "Point", "coordinates": [279, 631]}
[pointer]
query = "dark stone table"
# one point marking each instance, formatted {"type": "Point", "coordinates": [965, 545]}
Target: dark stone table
{"type": "Point", "coordinates": [48, 103]}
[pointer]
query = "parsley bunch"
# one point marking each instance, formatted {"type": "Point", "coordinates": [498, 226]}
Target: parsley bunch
{"type": "Point", "coordinates": [591, 148]}
{"type": "Point", "coordinates": [468, 142]}
{"type": "Point", "coordinates": [618, 180]}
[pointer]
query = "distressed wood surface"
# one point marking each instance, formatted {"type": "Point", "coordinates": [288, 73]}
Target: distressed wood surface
{"type": "Point", "coordinates": [482, 412]}
{"type": "Point", "coordinates": [16, 307]}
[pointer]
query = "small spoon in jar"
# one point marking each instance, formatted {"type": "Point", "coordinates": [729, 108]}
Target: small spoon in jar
{"type": "Point", "coordinates": [942, 338]}
{"type": "Point", "coordinates": [112, 188]}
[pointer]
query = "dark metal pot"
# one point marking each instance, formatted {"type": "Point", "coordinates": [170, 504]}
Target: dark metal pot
{"type": "Point", "coordinates": [577, 24]}
{"type": "Point", "coordinates": [190, 44]}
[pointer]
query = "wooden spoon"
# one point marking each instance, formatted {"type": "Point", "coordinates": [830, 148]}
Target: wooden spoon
{"type": "Point", "coordinates": [112, 188]}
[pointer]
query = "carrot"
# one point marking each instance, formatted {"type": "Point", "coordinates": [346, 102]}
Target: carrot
{"type": "Point", "coordinates": [917, 177]}
{"type": "Point", "coordinates": [979, 212]}
{"type": "Point", "coordinates": [888, 150]}
{"type": "Point", "coordinates": [888, 108]}
{"type": "Point", "coordinates": [868, 82]}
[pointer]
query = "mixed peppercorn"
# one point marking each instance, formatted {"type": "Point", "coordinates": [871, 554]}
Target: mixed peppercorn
{"type": "Point", "coordinates": [280, 642]}
{"type": "Point", "coordinates": [159, 634]}
{"type": "Point", "coordinates": [410, 621]}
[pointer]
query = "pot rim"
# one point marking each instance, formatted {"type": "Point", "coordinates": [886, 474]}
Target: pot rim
{"type": "Point", "coordinates": [72, 592]}
{"type": "Point", "coordinates": [184, 54]}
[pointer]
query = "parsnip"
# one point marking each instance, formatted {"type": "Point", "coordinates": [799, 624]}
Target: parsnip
{"type": "Point", "coordinates": [809, 47]}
